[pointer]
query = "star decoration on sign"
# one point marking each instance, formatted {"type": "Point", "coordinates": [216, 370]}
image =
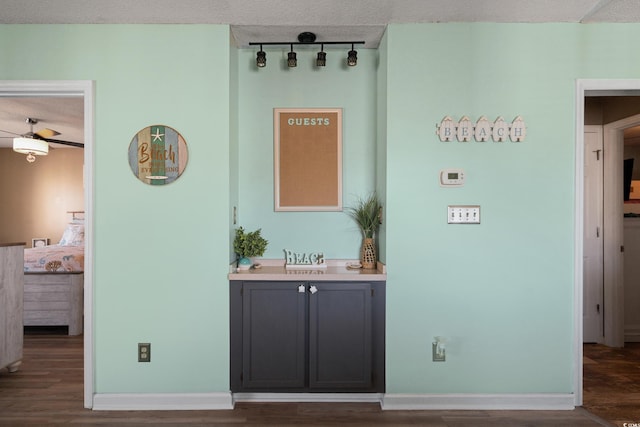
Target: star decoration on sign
{"type": "Point", "coordinates": [157, 135]}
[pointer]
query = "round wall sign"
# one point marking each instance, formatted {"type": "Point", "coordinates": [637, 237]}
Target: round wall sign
{"type": "Point", "coordinates": [158, 155]}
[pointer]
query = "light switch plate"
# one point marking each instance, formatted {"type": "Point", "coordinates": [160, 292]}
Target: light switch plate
{"type": "Point", "coordinates": [467, 214]}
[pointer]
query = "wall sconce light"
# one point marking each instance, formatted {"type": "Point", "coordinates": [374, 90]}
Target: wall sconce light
{"type": "Point", "coordinates": [352, 57]}
{"type": "Point", "coordinates": [306, 38]}
{"type": "Point", "coordinates": [291, 58]}
{"type": "Point", "coordinates": [321, 61]}
{"type": "Point", "coordinates": [261, 58]}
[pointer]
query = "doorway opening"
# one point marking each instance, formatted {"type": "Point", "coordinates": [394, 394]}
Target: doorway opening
{"type": "Point", "coordinates": [85, 90]}
{"type": "Point", "coordinates": [613, 134]}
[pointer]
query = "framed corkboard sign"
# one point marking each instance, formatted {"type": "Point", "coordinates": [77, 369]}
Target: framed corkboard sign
{"type": "Point", "coordinates": [307, 159]}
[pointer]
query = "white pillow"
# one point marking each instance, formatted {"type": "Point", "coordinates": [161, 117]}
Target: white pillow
{"type": "Point", "coordinates": [73, 235]}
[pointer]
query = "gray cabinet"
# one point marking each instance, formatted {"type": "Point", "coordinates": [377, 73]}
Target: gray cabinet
{"type": "Point", "coordinates": [307, 336]}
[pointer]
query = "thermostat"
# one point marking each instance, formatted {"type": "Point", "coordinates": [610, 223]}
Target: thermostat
{"type": "Point", "coordinates": [451, 177]}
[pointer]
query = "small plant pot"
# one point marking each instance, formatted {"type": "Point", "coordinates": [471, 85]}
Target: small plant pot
{"type": "Point", "coordinates": [244, 263]}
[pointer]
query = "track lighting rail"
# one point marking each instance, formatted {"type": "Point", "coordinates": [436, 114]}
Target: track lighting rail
{"type": "Point", "coordinates": [301, 43]}
{"type": "Point", "coordinates": [306, 38]}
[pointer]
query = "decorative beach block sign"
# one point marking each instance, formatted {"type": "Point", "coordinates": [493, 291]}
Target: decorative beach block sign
{"type": "Point", "coordinates": [304, 260]}
{"type": "Point", "coordinates": [482, 132]}
{"type": "Point", "coordinates": [464, 130]}
{"type": "Point", "coordinates": [158, 155]}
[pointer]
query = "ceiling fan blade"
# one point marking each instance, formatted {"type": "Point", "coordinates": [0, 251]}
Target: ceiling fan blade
{"type": "Point", "coordinates": [12, 133]}
{"type": "Point", "coordinates": [58, 141]}
{"type": "Point", "coordinates": [47, 133]}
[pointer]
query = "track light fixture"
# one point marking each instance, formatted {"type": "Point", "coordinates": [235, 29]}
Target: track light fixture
{"type": "Point", "coordinates": [306, 38]}
{"type": "Point", "coordinates": [291, 59]}
{"type": "Point", "coordinates": [261, 58]}
{"type": "Point", "coordinates": [352, 57]}
{"type": "Point", "coordinates": [321, 61]}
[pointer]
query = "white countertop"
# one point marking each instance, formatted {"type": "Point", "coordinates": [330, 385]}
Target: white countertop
{"type": "Point", "coordinates": [274, 269]}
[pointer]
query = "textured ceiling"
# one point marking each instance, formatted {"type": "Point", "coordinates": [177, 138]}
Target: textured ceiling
{"type": "Point", "coordinates": [276, 20]}
{"type": "Point", "coordinates": [282, 20]}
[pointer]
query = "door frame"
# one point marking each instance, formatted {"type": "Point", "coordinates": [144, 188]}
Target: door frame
{"type": "Point", "coordinates": [86, 89]}
{"type": "Point", "coordinates": [612, 239]}
{"type": "Point", "coordinates": [614, 328]}
{"type": "Point", "coordinates": [597, 130]}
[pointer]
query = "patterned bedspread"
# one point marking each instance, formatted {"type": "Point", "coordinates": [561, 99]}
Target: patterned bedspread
{"type": "Point", "coordinates": [54, 258]}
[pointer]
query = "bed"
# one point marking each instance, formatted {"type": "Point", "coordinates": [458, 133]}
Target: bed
{"type": "Point", "coordinates": [54, 281]}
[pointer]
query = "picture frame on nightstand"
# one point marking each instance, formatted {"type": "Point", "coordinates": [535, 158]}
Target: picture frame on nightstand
{"type": "Point", "coordinates": [39, 242]}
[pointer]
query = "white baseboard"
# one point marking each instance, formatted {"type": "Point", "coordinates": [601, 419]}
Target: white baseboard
{"type": "Point", "coordinates": [537, 401]}
{"type": "Point", "coordinates": [388, 402]}
{"type": "Point", "coordinates": [308, 397]}
{"type": "Point", "coordinates": [632, 333]}
{"type": "Point", "coordinates": [161, 401]}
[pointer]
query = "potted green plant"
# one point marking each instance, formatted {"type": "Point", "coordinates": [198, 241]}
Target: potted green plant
{"type": "Point", "coordinates": [366, 213]}
{"type": "Point", "coordinates": [248, 244]}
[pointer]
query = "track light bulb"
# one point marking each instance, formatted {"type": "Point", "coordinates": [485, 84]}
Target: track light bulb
{"type": "Point", "coordinates": [352, 57]}
{"type": "Point", "coordinates": [261, 58]}
{"type": "Point", "coordinates": [292, 61]}
{"type": "Point", "coordinates": [321, 61]}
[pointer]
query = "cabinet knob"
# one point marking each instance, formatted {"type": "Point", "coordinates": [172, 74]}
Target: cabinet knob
{"type": "Point", "coordinates": [301, 289]}
{"type": "Point", "coordinates": [313, 289]}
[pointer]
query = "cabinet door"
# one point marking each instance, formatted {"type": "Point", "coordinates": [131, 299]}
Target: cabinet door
{"type": "Point", "coordinates": [273, 331]}
{"type": "Point", "coordinates": [340, 336]}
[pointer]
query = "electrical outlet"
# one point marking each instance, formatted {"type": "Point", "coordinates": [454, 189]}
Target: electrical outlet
{"type": "Point", "coordinates": [144, 352]}
{"type": "Point", "coordinates": [438, 352]}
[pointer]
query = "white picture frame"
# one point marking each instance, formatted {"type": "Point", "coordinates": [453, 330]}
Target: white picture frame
{"type": "Point", "coordinates": [39, 242]}
{"type": "Point", "coordinates": [307, 159]}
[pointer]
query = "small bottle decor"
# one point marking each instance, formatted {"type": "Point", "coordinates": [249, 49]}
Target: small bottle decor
{"type": "Point", "coordinates": [366, 213]}
{"type": "Point", "coordinates": [247, 245]}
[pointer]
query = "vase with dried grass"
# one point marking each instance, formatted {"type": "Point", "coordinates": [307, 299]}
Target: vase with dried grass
{"type": "Point", "coordinates": [366, 213]}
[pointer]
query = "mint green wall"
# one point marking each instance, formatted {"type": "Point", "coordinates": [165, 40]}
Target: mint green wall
{"type": "Point", "coordinates": [161, 253]}
{"type": "Point", "coordinates": [261, 90]}
{"type": "Point", "coordinates": [500, 292]}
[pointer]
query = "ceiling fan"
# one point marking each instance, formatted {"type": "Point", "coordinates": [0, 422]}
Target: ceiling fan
{"type": "Point", "coordinates": [44, 134]}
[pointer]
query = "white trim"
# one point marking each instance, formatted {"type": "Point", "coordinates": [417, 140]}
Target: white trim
{"type": "Point", "coordinates": [614, 230]}
{"type": "Point", "coordinates": [533, 401]}
{"type": "Point", "coordinates": [590, 336]}
{"type": "Point", "coordinates": [632, 333]}
{"type": "Point", "coordinates": [309, 397]}
{"type": "Point", "coordinates": [89, 164]}
{"type": "Point", "coordinates": [86, 89]}
{"type": "Point", "coordinates": [578, 246]}
{"type": "Point", "coordinates": [161, 401]}
{"type": "Point", "coordinates": [589, 87]}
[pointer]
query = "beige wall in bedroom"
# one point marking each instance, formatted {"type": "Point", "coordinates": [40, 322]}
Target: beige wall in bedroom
{"type": "Point", "coordinates": [35, 197]}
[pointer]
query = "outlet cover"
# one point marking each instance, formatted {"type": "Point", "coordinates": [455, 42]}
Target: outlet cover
{"type": "Point", "coordinates": [144, 352]}
{"type": "Point", "coordinates": [438, 356]}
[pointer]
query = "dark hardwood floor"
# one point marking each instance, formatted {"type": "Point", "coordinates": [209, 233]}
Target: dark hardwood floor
{"type": "Point", "coordinates": [47, 389]}
{"type": "Point", "coordinates": [611, 388]}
